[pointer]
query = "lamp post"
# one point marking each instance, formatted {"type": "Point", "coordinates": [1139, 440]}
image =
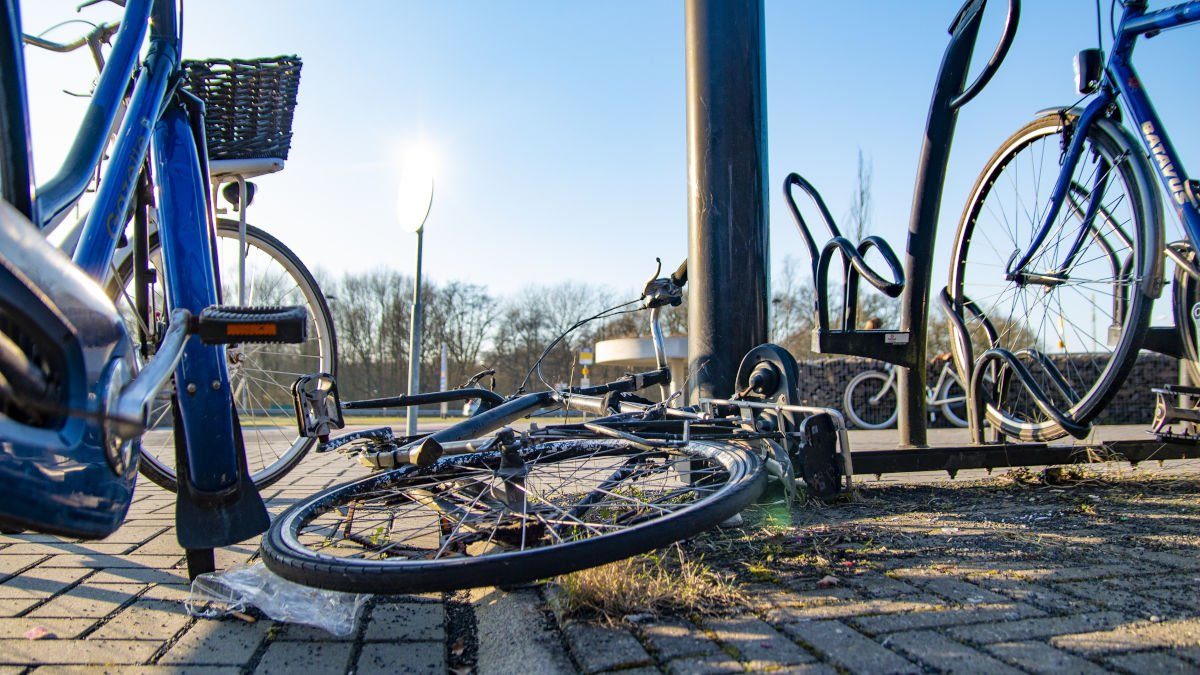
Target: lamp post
{"type": "Point", "coordinates": [412, 207]}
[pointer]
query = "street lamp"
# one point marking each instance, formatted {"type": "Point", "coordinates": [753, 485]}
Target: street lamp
{"type": "Point", "coordinates": [413, 203]}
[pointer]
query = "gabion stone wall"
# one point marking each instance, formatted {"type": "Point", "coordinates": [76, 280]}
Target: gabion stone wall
{"type": "Point", "coordinates": [822, 382]}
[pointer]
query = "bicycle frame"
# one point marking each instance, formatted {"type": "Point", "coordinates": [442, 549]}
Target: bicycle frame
{"type": "Point", "coordinates": [170, 121]}
{"type": "Point", "coordinates": [1121, 79]}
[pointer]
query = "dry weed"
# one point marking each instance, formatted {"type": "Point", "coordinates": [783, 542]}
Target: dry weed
{"type": "Point", "coordinates": [661, 581]}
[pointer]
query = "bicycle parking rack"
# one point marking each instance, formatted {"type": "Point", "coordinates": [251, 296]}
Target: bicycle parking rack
{"type": "Point", "coordinates": [906, 346]}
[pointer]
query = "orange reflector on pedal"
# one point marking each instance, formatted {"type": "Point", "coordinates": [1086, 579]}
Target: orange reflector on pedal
{"type": "Point", "coordinates": [251, 329]}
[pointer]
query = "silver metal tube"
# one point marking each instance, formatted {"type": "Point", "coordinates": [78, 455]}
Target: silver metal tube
{"type": "Point", "coordinates": [134, 402]}
{"type": "Point", "coordinates": [838, 419]}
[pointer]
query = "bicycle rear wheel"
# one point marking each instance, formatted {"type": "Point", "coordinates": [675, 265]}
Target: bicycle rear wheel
{"type": "Point", "coordinates": [260, 375]}
{"type": "Point", "coordinates": [870, 400]}
{"type": "Point", "coordinates": [475, 520]}
{"type": "Point", "coordinates": [1076, 315]}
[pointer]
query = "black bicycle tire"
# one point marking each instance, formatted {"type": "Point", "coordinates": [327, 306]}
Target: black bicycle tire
{"type": "Point", "coordinates": [165, 477]}
{"type": "Point", "coordinates": [1117, 370]}
{"type": "Point", "coordinates": [300, 565]}
{"type": "Point", "coordinates": [853, 414]}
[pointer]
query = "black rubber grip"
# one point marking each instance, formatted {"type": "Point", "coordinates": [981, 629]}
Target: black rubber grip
{"type": "Point", "coordinates": [264, 325]}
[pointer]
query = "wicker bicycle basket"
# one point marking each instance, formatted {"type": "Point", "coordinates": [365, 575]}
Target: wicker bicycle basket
{"type": "Point", "coordinates": [248, 104]}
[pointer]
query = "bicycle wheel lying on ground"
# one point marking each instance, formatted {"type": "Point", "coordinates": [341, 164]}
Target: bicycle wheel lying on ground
{"type": "Point", "coordinates": [498, 518]}
{"type": "Point", "coordinates": [1077, 313]}
{"type": "Point", "coordinates": [261, 375]}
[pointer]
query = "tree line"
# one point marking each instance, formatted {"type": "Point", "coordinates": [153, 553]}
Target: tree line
{"type": "Point", "coordinates": [481, 330]}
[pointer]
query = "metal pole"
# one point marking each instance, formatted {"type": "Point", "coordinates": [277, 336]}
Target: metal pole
{"type": "Point", "coordinates": [912, 379]}
{"type": "Point", "coordinates": [727, 190]}
{"type": "Point", "coordinates": [414, 341]}
{"type": "Point", "coordinates": [444, 381]}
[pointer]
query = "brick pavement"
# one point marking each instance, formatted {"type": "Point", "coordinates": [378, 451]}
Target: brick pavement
{"type": "Point", "coordinates": [961, 577]}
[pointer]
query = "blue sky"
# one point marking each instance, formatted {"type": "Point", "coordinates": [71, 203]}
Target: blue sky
{"type": "Point", "coordinates": [559, 127]}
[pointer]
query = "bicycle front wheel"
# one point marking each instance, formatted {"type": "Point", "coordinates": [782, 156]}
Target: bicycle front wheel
{"type": "Point", "coordinates": [871, 401]}
{"type": "Point", "coordinates": [1076, 315]}
{"type": "Point", "coordinates": [475, 520]}
{"type": "Point", "coordinates": [260, 375]}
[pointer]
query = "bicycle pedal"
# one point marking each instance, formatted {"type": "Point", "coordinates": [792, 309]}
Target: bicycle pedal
{"type": "Point", "coordinates": [219, 325]}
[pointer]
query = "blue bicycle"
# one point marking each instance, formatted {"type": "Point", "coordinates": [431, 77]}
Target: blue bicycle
{"type": "Point", "coordinates": [1059, 254]}
{"type": "Point", "coordinates": [74, 407]}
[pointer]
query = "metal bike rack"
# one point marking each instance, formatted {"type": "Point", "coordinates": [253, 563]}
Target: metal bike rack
{"type": "Point", "coordinates": [906, 347]}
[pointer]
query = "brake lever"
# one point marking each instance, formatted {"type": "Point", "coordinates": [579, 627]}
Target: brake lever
{"type": "Point", "coordinates": [661, 291]}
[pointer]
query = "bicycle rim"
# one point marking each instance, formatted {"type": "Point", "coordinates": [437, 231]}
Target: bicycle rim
{"type": "Point", "coordinates": [459, 524]}
{"type": "Point", "coordinates": [866, 406]}
{"type": "Point", "coordinates": [260, 375]}
{"type": "Point", "coordinates": [1088, 323]}
{"type": "Point", "coordinates": [954, 408]}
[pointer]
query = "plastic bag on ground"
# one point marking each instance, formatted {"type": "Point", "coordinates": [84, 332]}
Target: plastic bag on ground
{"type": "Point", "coordinates": [218, 594]}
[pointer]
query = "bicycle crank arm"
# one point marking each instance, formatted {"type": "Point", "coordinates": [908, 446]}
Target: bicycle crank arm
{"type": "Point", "coordinates": [135, 399]}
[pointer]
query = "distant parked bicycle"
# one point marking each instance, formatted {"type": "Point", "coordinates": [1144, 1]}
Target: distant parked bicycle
{"type": "Point", "coordinates": [870, 399]}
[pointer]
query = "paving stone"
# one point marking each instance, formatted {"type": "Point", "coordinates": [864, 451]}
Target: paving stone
{"type": "Point", "coordinates": [1040, 596]}
{"type": "Point", "coordinates": [1040, 657]}
{"type": "Point", "coordinates": [704, 666]}
{"type": "Point", "coordinates": [1150, 662]}
{"type": "Point", "coordinates": [41, 582]}
{"type": "Point", "coordinates": [876, 585]}
{"type": "Point", "coordinates": [403, 657]}
{"type": "Point", "coordinates": [145, 620]}
{"type": "Point", "coordinates": [289, 658]}
{"type": "Point", "coordinates": [757, 643]}
{"type": "Point", "coordinates": [1133, 637]}
{"type": "Point", "coordinates": [1083, 573]}
{"type": "Point", "coordinates": [846, 609]}
{"type": "Point", "coordinates": [217, 643]}
{"type": "Point", "coordinates": [89, 601]}
{"type": "Point", "coordinates": [406, 621]}
{"type": "Point", "coordinates": [298, 632]}
{"type": "Point", "coordinates": [109, 652]}
{"type": "Point", "coordinates": [513, 633]}
{"type": "Point", "coordinates": [64, 628]}
{"type": "Point", "coordinates": [15, 606]}
{"type": "Point", "coordinates": [65, 547]}
{"type": "Point", "coordinates": [678, 638]}
{"type": "Point", "coordinates": [847, 648]}
{"type": "Point", "coordinates": [598, 648]}
{"type": "Point", "coordinates": [133, 534]}
{"type": "Point", "coordinates": [11, 564]}
{"type": "Point", "coordinates": [807, 669]}
{"type": "Point", "coordinates": [960, 616]}
{"type": "Point", "coordinates": [1191, 654]}
{"type": "Point", "coordinates": [1025, 629]}
{"type": "Point", "coordinates": [166, 543]}
{"type": "Point", "coordinates": [137, 670]}
{"type": "Point", "coordinates": [1139, 604]}
{"type": "Point", "coordinates": [939, 651]}
{"type": "Point", "coordinates": [109, 561]}
{"type": "Point", "coordinates": [963, 592]}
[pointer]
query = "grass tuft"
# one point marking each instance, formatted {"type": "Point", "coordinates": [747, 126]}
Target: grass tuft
{"type": "Point", "coordinates": [652, 583]}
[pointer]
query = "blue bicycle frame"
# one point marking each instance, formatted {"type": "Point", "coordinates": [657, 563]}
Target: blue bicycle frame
{"type": "Point", "coordinates": [1121, 79]}
{"type": "Point", "coordinates": [170, 122]}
